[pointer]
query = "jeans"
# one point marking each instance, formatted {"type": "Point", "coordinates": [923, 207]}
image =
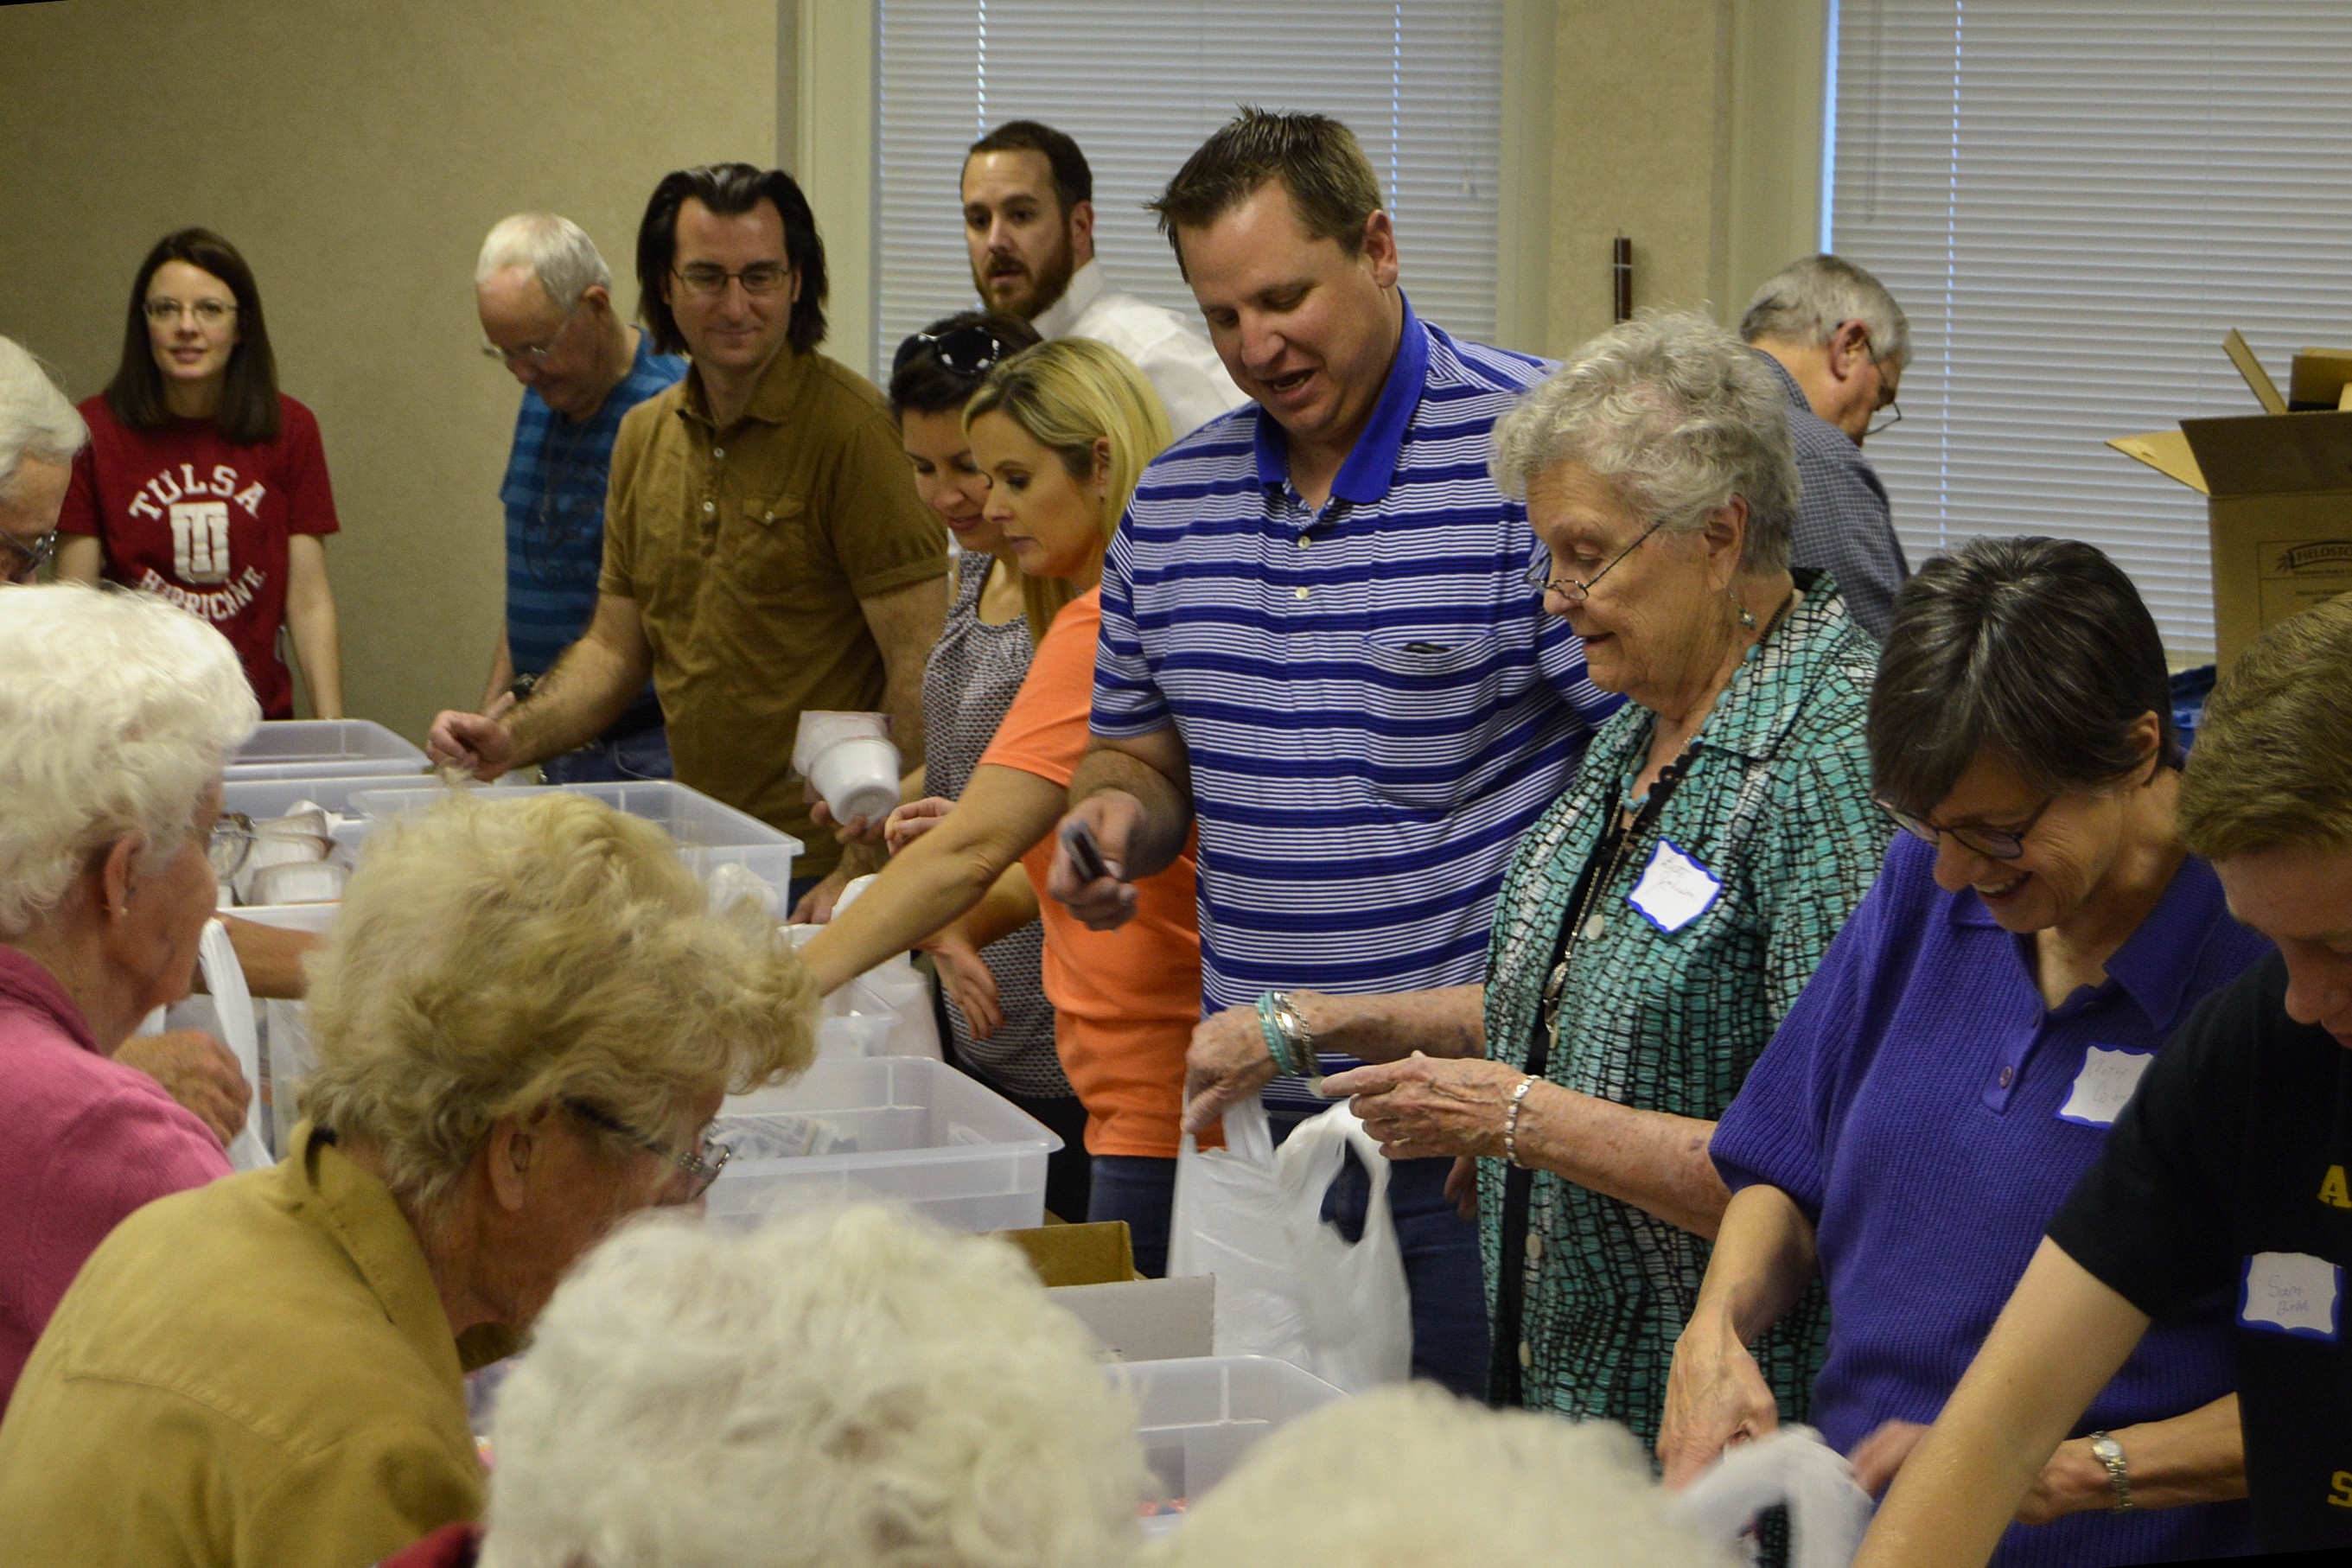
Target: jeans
{"type": "Point", "coordinates": [644, 755]}
{"type": "Point", "coordinates": [1139, 1190]}
{"type": "Point", "coordinates": [1442, 1264]}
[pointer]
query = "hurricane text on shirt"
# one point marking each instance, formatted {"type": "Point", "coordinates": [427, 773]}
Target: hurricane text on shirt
{"type": "Point", "coordinates": [200, 536]}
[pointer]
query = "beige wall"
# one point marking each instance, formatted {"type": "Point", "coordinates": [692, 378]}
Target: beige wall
{"type": "Point", "coordinates": [357, 153]}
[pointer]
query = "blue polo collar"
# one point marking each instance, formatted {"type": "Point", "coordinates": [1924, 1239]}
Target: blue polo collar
{"type": "Point", "coordinates": [1370, 467]}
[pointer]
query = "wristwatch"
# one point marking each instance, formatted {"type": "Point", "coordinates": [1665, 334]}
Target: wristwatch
{"type": "Point", "coordinates": [2110, 1453]}
{"type": "Point", "coordinates": [521, 689]}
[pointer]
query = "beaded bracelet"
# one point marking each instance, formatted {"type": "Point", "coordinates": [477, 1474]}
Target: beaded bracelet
{"type": "Point", "coordinates": [1277, 1042]}
{"type": "Point", "coordinates": [1301, 1038]}
{"type": "Point", "coordinates": [1511, 1119]}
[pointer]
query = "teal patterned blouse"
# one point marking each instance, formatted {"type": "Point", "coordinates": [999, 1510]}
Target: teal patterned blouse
{"type": "Point", "coordinates": [1775, 803]}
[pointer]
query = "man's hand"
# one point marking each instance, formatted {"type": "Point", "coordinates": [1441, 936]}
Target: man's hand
{"type": "Point", "coordinates": [196, 1070]}
{"type": "Point", "coordinates": [815, 908]}
{"type": "Point", "coordinates": [1104, 903]}
{"type": "Point", "coordinates": [482, 746]}
{"type": "Point", "coordinates": [1227, 1063]}
{"type": "Point", "coordinates": [856, 830]}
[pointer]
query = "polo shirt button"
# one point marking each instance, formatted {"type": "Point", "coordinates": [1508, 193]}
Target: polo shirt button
{"type": "Point", "coordinates": [710, 506]}
{"type": "Point", "coordinates": [1304, 541]}
{"type": "Point", "coordinates": [1298, 592]}
{"type": "Point", "coordinates": [718, 451]}
{"type": "Point", "coordinates": [1526, 1353]}
{"type": "Point", "coordinates": [2006, 1076]}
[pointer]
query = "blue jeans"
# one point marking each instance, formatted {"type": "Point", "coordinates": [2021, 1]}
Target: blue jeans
{"type": "Point", "coordinates": [1139, 1190]}
{"type": "Point", "coordinates": [644, 755]}
{"type": "Point", "coordinates": [1442, 1264]}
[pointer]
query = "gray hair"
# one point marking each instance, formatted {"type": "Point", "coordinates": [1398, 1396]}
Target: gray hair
{"type": "Point", "coordinates": [1678, 416]}
{"type": "Point", "coordinates": [1413, 1475]}
{"type": "Point", "coordinates": [1807, 302]}
{"type": "Point", "coordinates": [2039, 650]}
{"type": "Point", "coordinates": [36, 419]}
{"type": "Point", "coordinates": [118, 713]}
{"type": "Point", "coordinates": [556, 251]}
{"type": "Point", "coordinates": [850, 1388]}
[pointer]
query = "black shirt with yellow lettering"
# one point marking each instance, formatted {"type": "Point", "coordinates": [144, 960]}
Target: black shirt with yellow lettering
{"type": "Point", "coordinates": [2229, 1169]}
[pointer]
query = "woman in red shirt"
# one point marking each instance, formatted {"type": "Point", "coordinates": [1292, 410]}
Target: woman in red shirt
{"type": "Point", "coordinates": [201, 482]}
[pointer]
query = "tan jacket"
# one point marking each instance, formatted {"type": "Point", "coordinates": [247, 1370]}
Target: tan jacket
{"type": "Point", "coordinates": [257, 1372]}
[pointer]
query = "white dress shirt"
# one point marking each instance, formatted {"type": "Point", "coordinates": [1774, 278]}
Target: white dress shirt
{"type": "Point", "coordinates": [1177, 361]}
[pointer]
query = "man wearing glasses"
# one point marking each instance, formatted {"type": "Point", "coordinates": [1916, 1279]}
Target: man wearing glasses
{"type": "Point", "coordinates": [764, 549]}
{"type": "Point", "coordinates": [1838, 341]}
{"type": "Point", "coordinates": [546, 302]}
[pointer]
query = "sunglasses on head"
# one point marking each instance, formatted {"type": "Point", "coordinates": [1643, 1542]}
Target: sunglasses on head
{"type": "Point", "coordinates": [966, 350]}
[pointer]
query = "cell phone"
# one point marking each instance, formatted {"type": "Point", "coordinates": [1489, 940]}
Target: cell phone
{"type": "Point", "coordinates": [1084, 853]}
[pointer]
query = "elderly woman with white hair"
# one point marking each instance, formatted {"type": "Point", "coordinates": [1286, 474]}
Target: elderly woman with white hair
{"type": "Point", "coordinates": [851, 1388]}
{"type": "Point", "coordinates": [39, 434]}
{"type": "Point", "coordinates": [115, 719]}
{"type": "Point", "coordinates": [1663, 915]}
{"type": "Point", "coordinates": [1414, 1478]}
{"type": "Point", "coordinates": [524, 1021]}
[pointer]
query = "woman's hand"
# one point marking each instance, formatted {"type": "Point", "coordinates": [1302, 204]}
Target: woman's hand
{"type": "Point", "coordinates": [912, 820]}
{"type": "Point", "coordinates": [1425, 1106]}
{"type": "Point", "coordinates": [1227, 1063]}
{"type": "Point", "coordinates": [970, 984]}
{"type": "Point", "coordinates": [856, 830]}
{"type": "Point", "coordinates": [1716, 1397]}
{"type": "Point", "coordinates": [815, 908]}
{"type": "Point", "coordinates": [198, 1071]}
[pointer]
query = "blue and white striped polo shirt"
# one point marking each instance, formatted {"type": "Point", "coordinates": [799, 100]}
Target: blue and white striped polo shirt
{"type": "Point", "coordinates": [1375, 704]}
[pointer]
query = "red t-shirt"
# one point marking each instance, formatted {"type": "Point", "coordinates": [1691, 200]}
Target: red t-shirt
{"type": "Point", "coordinates": [186, 514]}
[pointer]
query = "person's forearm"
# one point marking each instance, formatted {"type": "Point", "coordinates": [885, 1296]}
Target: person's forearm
{"type": "Point", "coordinates": [1451, 1022]}
{"type": "Point", "coordinates": [935, 879]}
{"type": "Point", "coordinates": [2200, 1457]}
{"type": "Point", "coordinates": [590, 687]}
{"type": "Point", "coordinates": [271, 956]}
{"type": "Point", "coordinates": [502, 670]}
{"type": "Point", "coordinates": [1764, 1257]}
{"type": "Point", "coordinates": [1652, 1160]}
{"type": "Point", "coordinates": [902, 698]}
{"type": "Point", "coordinates": [1010, 904]}
{"type": "Point", "coordinates": [1166, 811]}
{"type": "Point", "coordinates": [319, 649]}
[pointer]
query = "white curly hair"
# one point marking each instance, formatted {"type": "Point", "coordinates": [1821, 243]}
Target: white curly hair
{"type": "Point", "coordinates": [36, 419]}
{"type": "Point", "coordinates": [118, 713]}
{"type": "Point", "coordinates": [849, 1388]}
{"type": "Point", "coordinates": [1413, 1477]}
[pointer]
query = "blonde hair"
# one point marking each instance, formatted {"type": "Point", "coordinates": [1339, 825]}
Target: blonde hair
{"type": "Point", "coordinates": [1413, 1477]}
{"type": "Point", "coordinates": [494, 957]}
{"type": "Point", "coordinates": [851, 1388]}
{"type": "Point", "coordinates": [1068, 394]}
{"type": "Point", "coordinates": [2272, 763]}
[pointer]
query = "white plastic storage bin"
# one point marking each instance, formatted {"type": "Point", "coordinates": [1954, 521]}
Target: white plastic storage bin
{"type": "Point", "coordinates": [901, 1130]}
{"type": "Point", "coordinates": [324, 748]}
{"type": "Point", "coordinates": [709, 835]}
{"type": "Point", "coordinates": [1199, 1418]}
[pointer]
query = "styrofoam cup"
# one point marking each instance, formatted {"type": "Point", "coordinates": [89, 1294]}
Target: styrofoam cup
{"type": "Point", "coordinates": [821, 727]}
{"type": "Point", "coordinates": [857, 776]}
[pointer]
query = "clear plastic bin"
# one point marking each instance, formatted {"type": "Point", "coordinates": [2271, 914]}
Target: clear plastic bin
{"type": "Point", "coordinates": [709, 835]}
{"type": "Point", "coordinates": [1199, 1418]}
{"type": "Point", "coordinates": [324, 748]}
{"type": "Point", "coordinates": [925, 1136]}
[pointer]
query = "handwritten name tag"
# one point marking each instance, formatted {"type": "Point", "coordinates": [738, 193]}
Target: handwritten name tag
{"type": "Point", "coordinates": [1675, 888]}
{"type": "Point", "coordinates": [2109, 1074]}
{"type": "Point", "coordinates": [2291, 1293]}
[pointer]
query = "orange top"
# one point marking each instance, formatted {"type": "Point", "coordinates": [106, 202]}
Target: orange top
{"type": "Point", "coordinates": [1125, 1001]}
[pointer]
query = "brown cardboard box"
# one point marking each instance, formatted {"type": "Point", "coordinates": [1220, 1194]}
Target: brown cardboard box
{"type": "Point", "coordinates": [1098, 1254]}
{"type": "Point", "coordinates": [1089, 1271]}
{"type": "Point", "coordinates": [2278, 489]}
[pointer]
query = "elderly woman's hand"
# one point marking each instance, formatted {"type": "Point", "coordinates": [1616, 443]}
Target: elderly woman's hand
{"type": "Point", "coordinates": [1227, 1063]}
{"type": "Point", "coordinates": [1426, 1105]}
{"type": "Point", "coordinates": [198, 1071]}
{"type": "Point", "coordinates": [1716, 1396]}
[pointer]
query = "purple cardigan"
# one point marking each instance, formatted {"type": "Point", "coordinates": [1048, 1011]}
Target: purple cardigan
{"type": "Point", "coordinates": [83, 1142]}
{"type": "Point", "coordinates": [1929, 1113]}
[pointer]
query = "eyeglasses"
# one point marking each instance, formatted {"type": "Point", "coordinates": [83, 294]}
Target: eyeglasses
{"type": "Point", "coordinates": [697, 1168]}
{"type": "Point", "coordinates": [533, 354]}
{"type": "Point", "coordinates": [207, 312]}
{"type": "Point", "coordinates": [965, 351]}
{"type": "Point", "coordinates": [232, 842]}
{"type": "Point", "coordinates": [35, 555]}
{"type": "Point", "coordinates": [1538, 575]}
{"type": "Point", "coordinates": [707, 278]}
{"type": "Point", "coordinates": [1887, 418]}
{"type": "Point", "coordinates": [1987, 841]}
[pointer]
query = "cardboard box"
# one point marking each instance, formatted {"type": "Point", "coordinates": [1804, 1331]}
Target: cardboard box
{"type": "Point", "coordinates": [1090, 1269]}
{"type": "Point", "coordinates": [2279, 507]}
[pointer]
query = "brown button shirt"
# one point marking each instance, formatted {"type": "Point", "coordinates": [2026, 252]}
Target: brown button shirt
{"type": "Point", "coordinates": [747, 551]}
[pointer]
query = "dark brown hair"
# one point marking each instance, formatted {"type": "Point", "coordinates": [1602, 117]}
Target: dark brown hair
{"type": "Point", "coordinates": [728, 189]}
{"type": "Point", "coordinates": [921, 382]}
{"type": "Point", "coordinates": [248, 405]}
{"type": "Point", "coordinates": [1073, 181]}
{"type": "Point", "coordinates": [1319, 160]}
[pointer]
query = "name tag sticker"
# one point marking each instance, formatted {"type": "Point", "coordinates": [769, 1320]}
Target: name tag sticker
{"type": "Point", "coordinates": [1675, 888]}
{"type": "Point", "coordinates": [2109, 1074]}
{"type": "Point", "coordinates": [2291, 1293]}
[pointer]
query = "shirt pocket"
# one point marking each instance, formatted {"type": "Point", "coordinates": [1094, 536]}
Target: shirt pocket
{"type": "Point", "coordinates": [1432, 710]}
{"type": "Point", "coordinates": [767, 548]}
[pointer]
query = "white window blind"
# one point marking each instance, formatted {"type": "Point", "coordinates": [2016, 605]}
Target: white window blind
{"type": "Point", "coordinates": [2074, 200]}
{"type": "Point", "coordinates": [1141, 86]}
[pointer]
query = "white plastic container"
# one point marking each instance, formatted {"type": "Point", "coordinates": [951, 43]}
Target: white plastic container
{"type": "Point", "coordinates": [925, 1136]}
{"type": "Point", "coordinates": [324, 748]}
{"type": "Point", "coordinates": [1199, 1418]}
{"type": "Point", "coordinates": [709, 835]}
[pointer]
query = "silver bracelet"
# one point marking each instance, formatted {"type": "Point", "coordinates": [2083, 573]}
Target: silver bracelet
{"type": "Point", "coordinates": [2110, 1453]}
{"type": "Point", "coordinates": [1511, 1119]}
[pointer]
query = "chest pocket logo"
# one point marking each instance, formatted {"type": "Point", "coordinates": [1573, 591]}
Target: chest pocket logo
{"type": "Point", "coordinates": [200, 541]}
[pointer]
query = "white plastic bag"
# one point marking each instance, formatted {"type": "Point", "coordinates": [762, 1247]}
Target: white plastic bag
{"type": "Point", "coordinates": [1828, 1509]}
{"type": "Point", "coordinates": [1289, 1286]}
{"type": "Point", "coordinates": [231, 1018]}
